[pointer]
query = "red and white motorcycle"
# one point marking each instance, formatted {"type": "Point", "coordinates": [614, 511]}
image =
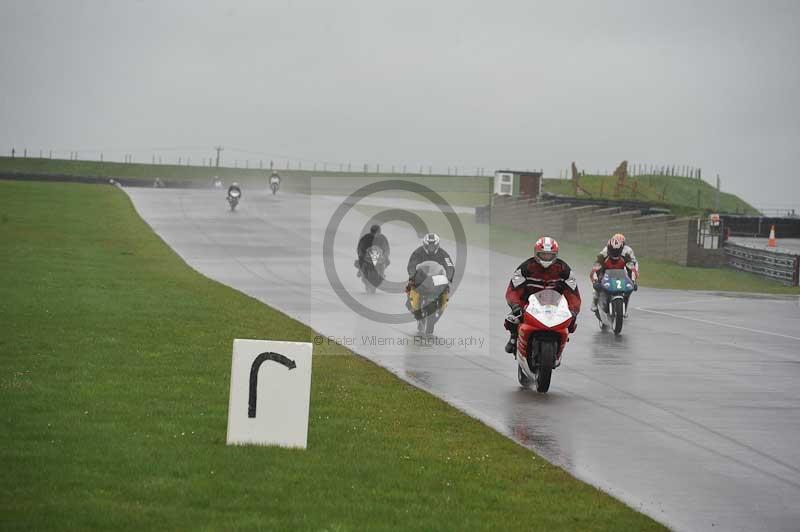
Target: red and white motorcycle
{"type": "Point", "coordinates": [543, 333]}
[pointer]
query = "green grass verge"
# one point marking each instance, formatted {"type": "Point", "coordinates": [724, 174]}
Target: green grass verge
{"type": "Point", "coordinates": [655, 273]}
{"type": "Point", "coordinates": [114, 374]}
{"type": "Point", "coordinates": [680, 194]}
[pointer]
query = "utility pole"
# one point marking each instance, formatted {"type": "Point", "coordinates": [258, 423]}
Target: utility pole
{"type": "Point", "coordinates": [717, 201]}
{"type": "Point", "coordinates": [219, 149]}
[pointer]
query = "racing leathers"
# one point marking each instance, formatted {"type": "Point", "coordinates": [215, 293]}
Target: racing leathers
{"type": "Point", "coordinates": [603, 262]}
{"type": "Point", "coordinates": [532, 277]}
{"type": "Point", "coordinates": [417, 257]}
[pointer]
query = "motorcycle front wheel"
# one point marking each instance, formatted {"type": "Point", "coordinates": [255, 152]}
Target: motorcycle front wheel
{"type": "Point", "coordinates": [430, 322]}
{"type": "Point", "coordinates": [618, 312]}
{"type": "Point", "coordinates": [544, 369]}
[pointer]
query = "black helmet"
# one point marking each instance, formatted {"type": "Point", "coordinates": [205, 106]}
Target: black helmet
{"type": "Point", "coordinates": [430, 243]}
{"type": "Point", "coordinates": [375, 229]}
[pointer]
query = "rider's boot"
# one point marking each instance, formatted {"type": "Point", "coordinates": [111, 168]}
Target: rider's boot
{"type": "Point", "coordinates": [511, 345]}
{"type": "Point", "coordinates": [593, 308]}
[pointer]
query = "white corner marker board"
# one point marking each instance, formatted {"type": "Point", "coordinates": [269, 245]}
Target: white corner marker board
{"type": "Point", "coordinates": [270, 393]}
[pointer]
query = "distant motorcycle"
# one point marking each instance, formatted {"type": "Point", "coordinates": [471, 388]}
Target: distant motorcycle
{"type": "Point", "coordinates": [217, 182]}
{"type": "Point", "coordinates": [234, 195]}
{"type": "Point", "coordinates": [430, 280]}
{"type": "Point", "coordinates": [372, 268]}
{"type": "Point", "coordinates": [543, 333]}
{"type": "Point", "coordinates": [274, 184]}
{"type": "Point", "coordinates": [613, 292]}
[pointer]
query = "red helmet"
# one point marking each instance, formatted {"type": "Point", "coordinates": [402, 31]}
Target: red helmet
{"type": "Point", "coordinates": [545, 251]}
{"type": "Point", "coordinates": [615, 246]}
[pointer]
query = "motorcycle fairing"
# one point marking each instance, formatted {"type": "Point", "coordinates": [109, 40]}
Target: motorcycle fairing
{"type": "Point", "coordinates": [549, 308]}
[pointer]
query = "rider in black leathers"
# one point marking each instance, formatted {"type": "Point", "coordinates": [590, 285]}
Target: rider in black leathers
{"type": "Point", "coordinates": [429, 250]}
{"type": "Point", "coordinates": [373, 238]}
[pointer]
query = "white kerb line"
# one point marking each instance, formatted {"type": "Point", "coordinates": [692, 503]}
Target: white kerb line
{"type": "Point", "coordinates": [718, 324]}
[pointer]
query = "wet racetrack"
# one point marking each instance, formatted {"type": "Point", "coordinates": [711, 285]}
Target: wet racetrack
{"type": "Point", "coordinates": [692, 415]}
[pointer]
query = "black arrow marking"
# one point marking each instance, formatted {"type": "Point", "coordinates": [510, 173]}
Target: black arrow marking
{"type": "Point", "coordinates": [260, 359]}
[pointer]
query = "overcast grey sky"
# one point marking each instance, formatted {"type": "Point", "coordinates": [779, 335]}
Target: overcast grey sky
{"type": "Point", "coordinates": [527, 84]}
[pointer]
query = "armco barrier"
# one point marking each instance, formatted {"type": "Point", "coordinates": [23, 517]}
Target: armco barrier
{"type": "Point", "coordinates": [781, 267]}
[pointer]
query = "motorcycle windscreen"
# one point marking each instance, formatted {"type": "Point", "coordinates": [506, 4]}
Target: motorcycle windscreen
{"type": "Point", "coordinates": [431, 267]}
{"type": "Point", "coordinates": [616, 281]}
{"type": "Point", "coordinates": [549, 308]}
{"type": "Point", "coordinates": [430, 274]}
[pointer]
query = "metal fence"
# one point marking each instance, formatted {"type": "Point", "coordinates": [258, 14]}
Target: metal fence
{"type": "Point", "coordinates": [193, 156]}
{"type": "Point", "coordinates": [781, 267]}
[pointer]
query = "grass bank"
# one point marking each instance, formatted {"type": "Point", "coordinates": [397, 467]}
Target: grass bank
{"type": "Point", "coordinates": [683, 195]}
{"type": "Point", "coordinates": [114, 374]}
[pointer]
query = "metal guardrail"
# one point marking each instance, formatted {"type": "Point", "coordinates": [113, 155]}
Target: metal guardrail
{"type": "Point", "coordinates": [781, 267]}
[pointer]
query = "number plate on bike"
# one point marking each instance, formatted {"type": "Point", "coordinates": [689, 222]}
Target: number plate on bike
{"type": "Point", "coordinates": [439, 280]}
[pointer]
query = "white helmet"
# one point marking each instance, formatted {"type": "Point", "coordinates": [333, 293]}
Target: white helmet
{"type": "Point", "coordinates": [545, 251]}
{"type": "Point", "coordinates": [430, 243]}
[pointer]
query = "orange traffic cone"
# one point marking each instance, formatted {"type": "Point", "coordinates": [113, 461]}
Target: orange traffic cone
{"type": "Point", "coordinates": [771, 243]}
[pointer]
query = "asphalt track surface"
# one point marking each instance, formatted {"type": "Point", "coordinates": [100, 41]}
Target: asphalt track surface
{"type": "Point", "coordinates": [691, 416]}
{"type": "Point", "coordinates": [784, 245]}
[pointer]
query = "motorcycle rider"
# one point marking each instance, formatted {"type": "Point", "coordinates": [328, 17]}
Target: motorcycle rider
{"type": "Point", "coordinates": [429, 250]}
{"type": "Point", "coordinates": [275, 178]}
{"type": "Point", "coordinates": [234, 186]}
{"type": "Point", "coordinates": [543, 270]}
{"type": "Point", "coordinates": [616, 255]}
{"type": "Point", "coordinates": [373, 238]}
